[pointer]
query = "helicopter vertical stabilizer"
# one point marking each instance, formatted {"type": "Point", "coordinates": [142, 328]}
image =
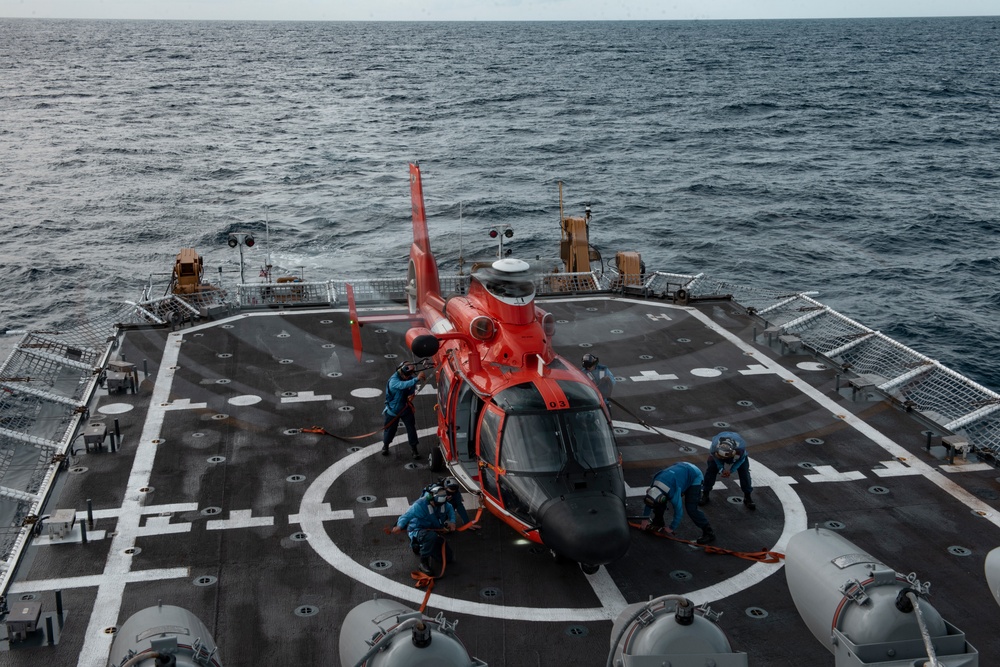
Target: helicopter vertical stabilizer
{"type": "Point", "coordinates": [423, 284]}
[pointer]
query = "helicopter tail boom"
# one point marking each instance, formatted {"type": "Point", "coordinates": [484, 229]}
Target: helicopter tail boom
{"type": "Point", "coordinates": [423, 273]}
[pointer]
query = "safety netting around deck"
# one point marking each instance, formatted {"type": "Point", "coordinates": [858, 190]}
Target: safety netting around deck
{"type": "Point", "coordinates": [943, 396]}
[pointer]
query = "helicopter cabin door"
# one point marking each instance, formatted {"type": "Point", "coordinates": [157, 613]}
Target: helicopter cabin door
{"type": "Point", "coordinates": [487, 437]}
{"type": "Point", "coordinates": [464, 407]}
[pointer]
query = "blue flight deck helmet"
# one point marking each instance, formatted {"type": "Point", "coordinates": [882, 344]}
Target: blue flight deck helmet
{"type": "Point", "coordinates": [657, 494]}
{"type": "Point", "coordinates": [589, 361]}
{"type": "Point", "coordinates": [451, 485]}
{"type": "Point", "coordinates": [405, 370]}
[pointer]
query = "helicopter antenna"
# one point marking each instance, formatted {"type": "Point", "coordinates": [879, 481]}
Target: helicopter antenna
{"type": "Point", "coordinates": [461, 252]}
{"type": "Point", "coordinates": [267, 235]}
{"type": "Point", "coordinates": [560, 203]}
{"type": "Point", "coordinates": [266, 271]}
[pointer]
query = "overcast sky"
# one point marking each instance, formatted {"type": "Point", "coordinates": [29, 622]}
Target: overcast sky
{"type": "Point", "coordinates": [489, 10]}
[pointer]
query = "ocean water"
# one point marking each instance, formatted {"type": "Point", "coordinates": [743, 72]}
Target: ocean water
{"type": "Point", "coordinates": [855, 158]}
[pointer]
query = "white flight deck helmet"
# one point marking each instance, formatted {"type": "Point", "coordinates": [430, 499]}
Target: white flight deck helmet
{"type": "Point", "coordinates": [657, 494]}
{"type": "Point", "coordinates": [726, 449]}
{"type": "Point", "coordinates": [437, 495]}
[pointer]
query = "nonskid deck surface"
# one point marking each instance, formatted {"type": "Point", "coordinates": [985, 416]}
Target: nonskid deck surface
{"type": "Point", "coordinates": [219, 503]}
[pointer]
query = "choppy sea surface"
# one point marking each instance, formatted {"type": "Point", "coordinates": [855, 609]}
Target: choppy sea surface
{"type": "Point", "coordinates": [856, 158]}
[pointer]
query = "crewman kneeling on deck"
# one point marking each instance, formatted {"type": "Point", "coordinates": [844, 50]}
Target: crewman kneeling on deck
{"type": "Point", "coordinates": [669, 485]}
{"type": "Point", "coordinates": [424, 522]}
{"type": "Point", "coordinates": [727, 454]}
{"type": "Point", "coordinates": [454, 491]}
{"type": "Point", "coordinates": [399, 391]}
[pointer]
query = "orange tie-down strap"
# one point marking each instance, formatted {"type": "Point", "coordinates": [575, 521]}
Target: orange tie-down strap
{"type": "Point", "coordinates": [758, 556]}
{"type": "Point", "coordinates": [422, 580]}
{"type": "Point", "coordinates": [346, 438]}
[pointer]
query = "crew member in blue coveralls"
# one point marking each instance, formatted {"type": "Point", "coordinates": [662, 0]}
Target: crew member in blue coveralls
{"type": "Point", "coordinates": [454, 491]}
{"type": "Point", "coordinates": [430, 515]}
{"type": "Point", "coordinates": [599, 374]}
{"type": "Point", "coordinates": [727, 454]}
{"type": "Point", "coordinates": [669, 485]}
{"type": "Point", "coordinates": [399, 392]}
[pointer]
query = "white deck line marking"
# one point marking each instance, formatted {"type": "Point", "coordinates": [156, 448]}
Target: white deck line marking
{"type": "Point", "coordinates": [757, 369]}
{"type": "Point", "coordinates": [117, 568]}
{"type": "Point", "coordinates": [323, 513]}
{"type": "Point", "coordinates": [895, 451]}
{"type": "Point", "coordinates": [113, 512]}
{"type": "Point", "coordinates": [75, 536]}
{"type": "Point", "coordinates": [393, 507]}
{"type": "Point", "coordinates": [160, 525]}
{"type": "Point", "coordinates": [95, 580]}
{"type": "Point", "coordinates": [652, 376]}
{"type": "Point", "coordinates": [830, 474]}
{"type": "Point", "coordinates": [607, 592]}
{"type": "Point", "coordinates": [965, 467]}
{"type": "Point", "coordinates": [894, 469]}
{"type": "Point", "coordinates": [183, 404]}
{"type": "Point", "coordinates": [240, 519]}
{"type": "Point", "coordinates": [305, 397]}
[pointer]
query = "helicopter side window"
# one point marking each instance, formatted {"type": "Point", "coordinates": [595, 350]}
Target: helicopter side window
{"type": "Point", "coordinates": [444, 386]}
{"type": "Point", "coordinates": [488, 448]}
{"type": "Point", "coordinates": [531, 443]}
{"type": "Point", "coordinates": [591, 439]}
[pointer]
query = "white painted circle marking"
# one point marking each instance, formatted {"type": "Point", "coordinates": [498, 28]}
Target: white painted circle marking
{"type": "Point", "coordinates": [115, 408]}
{"type": "Point", "coordinates": [811, 366]}
{"type": "Point", "coordinates": [366, 392]}
{"type": "Point", "coordinates": [314, 507]}
{"type": "Point", "coordinates": [246, 399]}
{"type": "Point", "coordinates": [706, 372]}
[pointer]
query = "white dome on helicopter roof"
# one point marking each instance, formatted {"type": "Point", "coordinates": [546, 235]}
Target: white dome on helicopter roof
{"type": "Point", "coordinates": [511, 265]}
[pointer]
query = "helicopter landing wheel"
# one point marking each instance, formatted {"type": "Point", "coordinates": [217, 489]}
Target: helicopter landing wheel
{"type": "Point", "coordinates": [589, 569]}
{"type": "Point", "coordinates": [435, 460]}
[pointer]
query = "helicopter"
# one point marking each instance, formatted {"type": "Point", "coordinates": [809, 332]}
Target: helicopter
{"type": "Point", "coordinates": [518, 425]}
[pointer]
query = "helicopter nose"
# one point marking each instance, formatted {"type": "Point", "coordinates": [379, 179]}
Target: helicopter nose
{"type": "Point", "coordinates": [591, 529]}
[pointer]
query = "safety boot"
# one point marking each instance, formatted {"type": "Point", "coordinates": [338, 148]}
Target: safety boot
{"type": "Point", "coordinates": [748, 502]}
{"type": "Point", "coordinates": [425, 566]}
{"type": "Point", "coordinates": [707, 536]}
{"type": "Point", "coordinates": [416, 455]}
{"type": "Point", "coordinates": [704, 500]}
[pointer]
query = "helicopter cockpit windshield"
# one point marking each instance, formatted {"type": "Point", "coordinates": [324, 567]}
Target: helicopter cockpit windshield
{"type": "Point", "coordinates": [536, 440]}
{"type": "Point", "coordinates": [545, 443]}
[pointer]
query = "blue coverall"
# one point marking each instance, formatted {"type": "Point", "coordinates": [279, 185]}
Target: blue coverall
{"type": "Point", "coordinates": [420, 522]}
{"type": "Point", "coordinates": [398, 409]}
{"type": "Point", "coordinates": [683, 479]}
{"type": "Point", "coordinates": [740, 464]}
